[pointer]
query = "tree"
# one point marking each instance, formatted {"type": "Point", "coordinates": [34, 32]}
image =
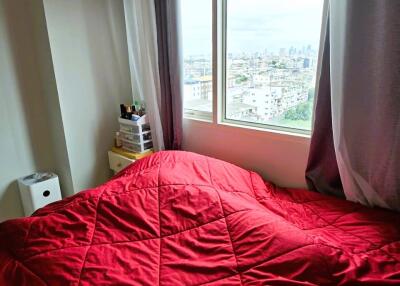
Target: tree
{"type": "Point", "coordinates": [240, 79]}
{"type": "Point", "coordinates": [299, 112]}
{"type": "Point", "coordinates": [311, 93]}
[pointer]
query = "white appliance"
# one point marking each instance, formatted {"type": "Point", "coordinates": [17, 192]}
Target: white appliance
{"type": "Point", "coordinates": [38, 190]}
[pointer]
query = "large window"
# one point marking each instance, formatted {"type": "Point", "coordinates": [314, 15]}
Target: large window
{"type": "Point", "coordinates": [197, 57]}
{"type": "Point", "coordinates": [267, 55]}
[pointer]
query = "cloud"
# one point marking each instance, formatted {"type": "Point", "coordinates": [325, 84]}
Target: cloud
{"type": "Point", "coordinates": [254, 25]}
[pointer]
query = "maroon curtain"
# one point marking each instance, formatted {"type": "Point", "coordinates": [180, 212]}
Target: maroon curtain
{"type": "Point", "coordinates": [169, 61]}
{"type": "Point", "coordinates": [322, 173]}
{"type": "Point", "coordinates": [355, 146]}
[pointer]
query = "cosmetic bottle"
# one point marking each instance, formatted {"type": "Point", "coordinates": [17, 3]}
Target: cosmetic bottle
{"type": "Point", "coordinates": [118, 142]}
{"type": "Point", "coordinates": [137, 106]}
{"type": "Point", "coordinates": [123, 111]}
{"type": "Point", "coordinates": [129, 112]}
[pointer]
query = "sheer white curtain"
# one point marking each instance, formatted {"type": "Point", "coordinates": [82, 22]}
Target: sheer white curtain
{"type": "Point", "coordinates": [141, 32]}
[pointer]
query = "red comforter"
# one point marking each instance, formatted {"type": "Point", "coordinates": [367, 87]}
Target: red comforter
{"type": "Point", "coordinates": [178, 218]}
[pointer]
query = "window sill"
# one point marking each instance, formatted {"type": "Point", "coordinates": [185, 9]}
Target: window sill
{"type": "Point", "coordinates": [194, 118]}
{"type": "Point", "coordinates": [277, 130]}
{"type": "Point", "coordinates": [249, 130]}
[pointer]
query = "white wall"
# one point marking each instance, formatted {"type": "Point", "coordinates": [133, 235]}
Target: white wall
{"type": "Point", "coordinates": [25, 136]}
{"type": "Point", "coordinates": [64, 70]}
{"type": "Point", "coordinates": [90, 57]}
{"type": "Point", "coordinates": [279, 158]}
{"type": "Point", "coordinates": [45, 68]}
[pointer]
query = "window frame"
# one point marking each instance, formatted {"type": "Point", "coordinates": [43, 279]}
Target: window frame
{"type": "Point", "coordinates": [219, 70]}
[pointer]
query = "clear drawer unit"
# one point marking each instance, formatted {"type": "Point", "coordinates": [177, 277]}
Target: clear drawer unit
{"type": "Point", "coordinates": [135, 135]}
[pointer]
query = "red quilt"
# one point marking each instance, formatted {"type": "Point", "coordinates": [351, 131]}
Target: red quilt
{"type": "Point", "coordinates": [178, 218]}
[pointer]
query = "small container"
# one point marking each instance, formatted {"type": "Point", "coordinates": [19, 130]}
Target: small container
{"type": "Point", "coordinates": [118, 142]}
{"type": "Point", "coordinates": [135, 117]}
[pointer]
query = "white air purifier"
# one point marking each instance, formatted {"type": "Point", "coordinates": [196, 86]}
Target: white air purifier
{"type": "Point", "coordinates": [38, 190]}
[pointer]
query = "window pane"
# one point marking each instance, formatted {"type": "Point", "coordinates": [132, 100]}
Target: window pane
{"type": "Point", "coordinates": [271, 61]}
{"type": "Point", "coordinates": [197, 55]}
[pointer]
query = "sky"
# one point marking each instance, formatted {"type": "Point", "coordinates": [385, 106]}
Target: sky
{"type": "Point", "coordinates": [253, 25]}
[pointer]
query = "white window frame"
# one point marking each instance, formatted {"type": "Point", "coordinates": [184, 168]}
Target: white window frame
{"type": "Point", "coordinates": [219, 45]}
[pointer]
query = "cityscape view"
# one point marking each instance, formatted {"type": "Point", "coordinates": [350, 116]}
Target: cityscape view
{"type": "Point", "coordinates": [271, 82]}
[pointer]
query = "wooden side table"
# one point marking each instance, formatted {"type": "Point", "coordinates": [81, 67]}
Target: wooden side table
{"type": "Point", "coordinates": [118, 162]}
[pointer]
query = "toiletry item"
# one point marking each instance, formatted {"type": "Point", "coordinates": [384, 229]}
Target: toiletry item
{"type": "Point", "coordinates": [135, 117]}
{"type": "Point", "coordinates": [118, 142]}
{"type": "Point", "coordinates": [141, 111]}
{"type": "Point", "coordinates": [137, 105]}
{"type": "Point", "coordinates": [123, 111]}
{"type": "Point", "coordinates": [129, 112]}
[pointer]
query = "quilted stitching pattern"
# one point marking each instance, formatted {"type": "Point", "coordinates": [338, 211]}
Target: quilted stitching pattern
{"type": "Point", "coordinates": [177, 218]}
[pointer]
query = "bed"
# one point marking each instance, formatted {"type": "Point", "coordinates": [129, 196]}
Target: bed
{"type": "Point", "coordinates": [179, 218]}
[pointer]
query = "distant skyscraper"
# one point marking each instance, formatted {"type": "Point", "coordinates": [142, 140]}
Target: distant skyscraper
{"type": "Point", "coordinates": [292, 51]}
{"type": "Point", "coordinates": [306, 63]}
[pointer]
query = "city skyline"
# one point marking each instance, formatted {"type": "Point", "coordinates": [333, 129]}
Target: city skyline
{"type": "Point", "coordinates": [261, 88]}
{"type": "Point", "coordinates": [259, 52]}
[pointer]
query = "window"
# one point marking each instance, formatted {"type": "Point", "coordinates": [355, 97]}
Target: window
{"type": "Point", "coordinates": [197, 57]}
{"type": "Point", "coordinates": [267, 57]}
{"type": "Point", "coordinates": [271, 61]}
